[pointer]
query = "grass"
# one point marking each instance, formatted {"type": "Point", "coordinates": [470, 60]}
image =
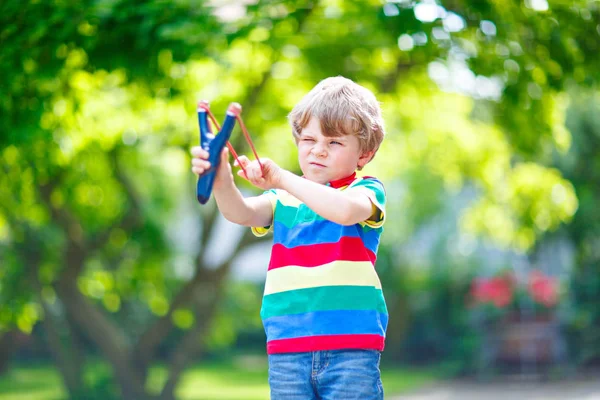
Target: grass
{"type": "Point", "coordinates": [244, 378]}
{"type": "Point", "coordinates": [33, 382]}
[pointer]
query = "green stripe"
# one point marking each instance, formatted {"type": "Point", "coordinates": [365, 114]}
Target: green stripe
{"type": "Point", "coordinates": [375, 187]}
{"type": "Point", "coordinates": [323, 298]}
{"type": "Point", "coordinates": [291, 216]}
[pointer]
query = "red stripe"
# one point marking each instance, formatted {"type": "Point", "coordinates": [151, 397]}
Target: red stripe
{"type": "Point", "coordinates": [330, 342]}
{"type": "Point", "coordinates": [314, 255]}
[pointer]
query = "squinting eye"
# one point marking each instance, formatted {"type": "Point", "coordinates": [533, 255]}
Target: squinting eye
{"type": "Point", "coordinates": [308, 140]}
{"type": "Point", "coordinates": [334, 142]}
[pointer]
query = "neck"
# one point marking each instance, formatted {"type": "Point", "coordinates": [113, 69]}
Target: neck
{"type": "Point", "coordinates": [338, 183]}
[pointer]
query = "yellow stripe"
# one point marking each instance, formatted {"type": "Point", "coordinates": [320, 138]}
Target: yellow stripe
{"type": "Point", "coordinates": [287, 199]}
{"type": "Point", "coordinates": [337, 273]}
{"type": "Point", "coordinates": [260, 231]}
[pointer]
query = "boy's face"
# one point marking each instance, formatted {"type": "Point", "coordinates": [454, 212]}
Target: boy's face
{"type": "Point", "coordinates": [324, 159]}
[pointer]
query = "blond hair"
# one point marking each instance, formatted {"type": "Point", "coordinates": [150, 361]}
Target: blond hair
{"type": "Point", "coordinates": [343, 107]}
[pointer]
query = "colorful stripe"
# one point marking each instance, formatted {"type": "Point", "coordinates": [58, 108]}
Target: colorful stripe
{"type": "Point", "coordinates": [326, 342]}
{"type": "Point", "coordinates": [322, 291]}
{"type": "Point", "coordinates": [323, 231]}
{"type": "Point", "coordinates": [324, 298]}
{"type": "Point", "coordinates": [338, 273]}
{"type": "Point", "coordinates": [286, 199]}
{"type": "Point", "coordinates": [334, 322]}
{"type": "Point", "coordinates": [347, 249]}
{"type": "Point", "coordinates": [290, 215]}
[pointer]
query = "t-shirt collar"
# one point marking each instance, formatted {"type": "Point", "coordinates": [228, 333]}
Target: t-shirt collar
{"type": "Point", "coordinates": [340, 183]}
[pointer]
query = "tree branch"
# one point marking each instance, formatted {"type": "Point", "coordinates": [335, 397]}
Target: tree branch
{"type": "Point", "coordinates": [191, 342]}
{"type": "Point", "coordinates": [7, 348]}
{"type": "Point", "coordinates": [133, 217]}
{"type": "Point", "coordinates": [146, 346]}
{"type": "Point", "coordinates": [208, 223]}
{"type": "Point", "coordinates": [69, 224]}
{"type": "Point", "coordinates": [69, 365]}
{"type": "Point", "coordinates": [71, 227]}
{"type": "Point", "coordinates": [105, 336]}
{"type": "Point", "coordinates": [206, 306]}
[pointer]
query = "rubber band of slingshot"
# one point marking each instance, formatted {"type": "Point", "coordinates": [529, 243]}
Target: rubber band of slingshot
{"type": "Point", "coordinates": [229, 146]}
{"type": "Point", "coordinates": [247, 136]}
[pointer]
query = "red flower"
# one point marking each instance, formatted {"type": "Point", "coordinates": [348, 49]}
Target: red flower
{"type": "Point", "coordinates": [498, 291]}
{"type": "Point", "coordinates": [543, 289]}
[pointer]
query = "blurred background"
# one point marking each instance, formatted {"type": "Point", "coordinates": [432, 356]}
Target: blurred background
{"type": "Point", "coordinates": [116, 284]}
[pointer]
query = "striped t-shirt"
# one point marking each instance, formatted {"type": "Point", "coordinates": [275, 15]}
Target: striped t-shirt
{"type": "Point", "coordinates": [321, 290]}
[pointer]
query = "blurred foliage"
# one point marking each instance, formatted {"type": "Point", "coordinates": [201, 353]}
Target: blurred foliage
{"type": "Point", "coordinates": [429, 303]}
{"type": "Point", "coordinates": [97, 117]}
{"type": "Point", "coordinates": [540, 48]}
{"type": "Point", "coordinates": [581, 165]}
{"type": "Point", "coordinates": [238, 317]}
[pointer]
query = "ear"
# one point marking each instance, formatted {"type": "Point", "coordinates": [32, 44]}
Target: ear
{"type": "Point", "coordinates": [365, 158]}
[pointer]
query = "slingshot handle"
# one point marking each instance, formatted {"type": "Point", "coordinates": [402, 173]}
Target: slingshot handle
{"type": "Point", "coordinates": [214, 145]}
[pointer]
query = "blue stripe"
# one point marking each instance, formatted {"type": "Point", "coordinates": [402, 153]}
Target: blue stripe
{"type": "Point", "coordinates": [336, 322]}
{"type": "Point", "coordinates": [319, 232]}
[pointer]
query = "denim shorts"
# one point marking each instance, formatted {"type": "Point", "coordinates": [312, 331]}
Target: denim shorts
{"type": "Point", "coordinates": [326, 375]}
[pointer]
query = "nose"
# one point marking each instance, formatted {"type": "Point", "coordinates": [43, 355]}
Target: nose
{"type": "Point", "coordinates": [318, 150]}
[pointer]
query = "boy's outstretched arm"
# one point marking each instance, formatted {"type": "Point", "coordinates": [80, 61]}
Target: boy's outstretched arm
{"type": "Point", "coordinates": [249, 211]}
{"type": "Point", "coordinates": [343, 207]}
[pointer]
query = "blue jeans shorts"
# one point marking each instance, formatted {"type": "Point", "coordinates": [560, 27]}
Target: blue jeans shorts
{"type": "Point", "coordinates": [326, 375]}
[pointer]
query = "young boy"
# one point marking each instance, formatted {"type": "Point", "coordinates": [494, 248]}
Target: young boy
{"type": "Point", "coordinates": [323, 309]}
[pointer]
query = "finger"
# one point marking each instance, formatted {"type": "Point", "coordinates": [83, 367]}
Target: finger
{"type": "Point", "coordinates": [252, 173]}
{"type": "Point", "coordinates": [248, 171]}
{"type": "Point", "coordinates": [259, 170]}
{"type": "Point", "coordinates": [259, 182]}
{"type": "Point", "coordinates": [225, 155]}
{"type": "Point", "coordinates": [242, 174]}
{"type": "Point", "coordinates": [198, 162]}
{"type": "Point", "coordinates": [198, 170]}
{"type": "Point", "coordinates": [199, 152]}
{"type": "Point", "coordinates": [256, 181]}
{"type": "Point", "coordinates": [242, 161]}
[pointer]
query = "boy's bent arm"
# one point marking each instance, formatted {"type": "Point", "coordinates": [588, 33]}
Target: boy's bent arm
{"type": "Point", "coordinates": [342, 207]}
{"type": "Point", "coordinates": [249, 211]}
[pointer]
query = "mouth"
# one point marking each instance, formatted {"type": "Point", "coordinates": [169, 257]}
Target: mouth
{"type": "Point", "coordinates": [317, 165]}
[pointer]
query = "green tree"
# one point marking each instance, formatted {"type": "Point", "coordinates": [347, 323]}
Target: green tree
{"type": "Point", "coordinates": [581, 165]}
{"type": "Point", "coordinates": [98, 115]}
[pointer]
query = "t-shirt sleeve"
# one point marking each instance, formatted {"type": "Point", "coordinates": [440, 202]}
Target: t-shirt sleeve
{"type": "Point", "coordinates": [374, 189]}
{"type": "Point", "coordinates": [263, 230]}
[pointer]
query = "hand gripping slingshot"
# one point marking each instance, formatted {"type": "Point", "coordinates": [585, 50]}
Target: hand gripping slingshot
{"type": "Point", "coordinates": [214, 144]}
